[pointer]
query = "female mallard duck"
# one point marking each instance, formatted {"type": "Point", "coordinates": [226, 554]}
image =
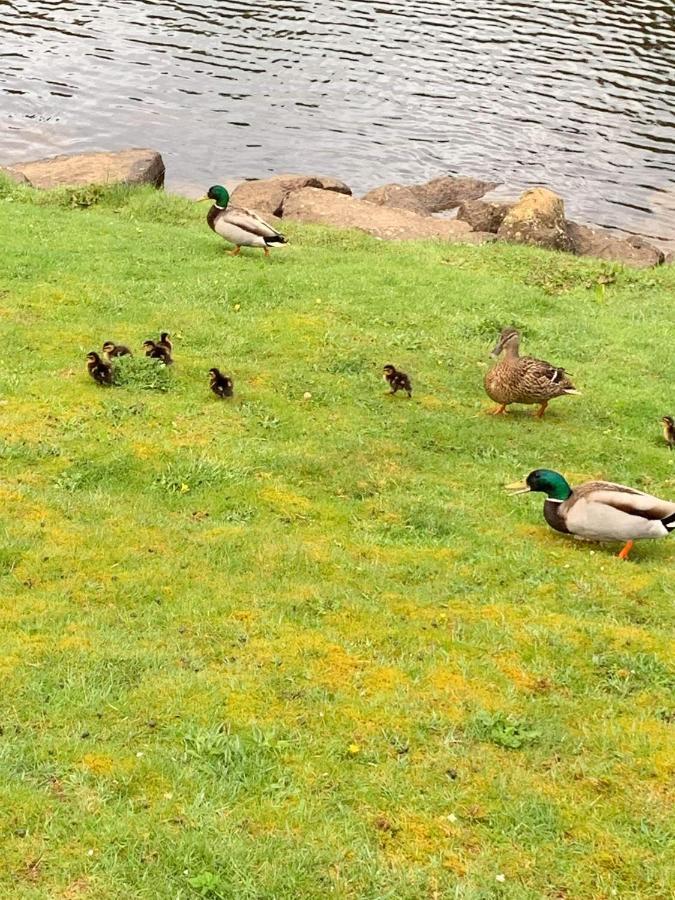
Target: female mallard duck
{"type": "Point", "coordinates": [600, 510]}
{"type": "Point", "coordinates": [669, 431]}
{"type": "Point", "coordinates": [237, 225]}
{"type": "Point", "coordinates": [113, 350]}
{"type": "Point", "coordinates": [523, 379]}
{"type": "Point", "coordinates": [221, 385]}
{"type": "Point", "coordinates": [99, 370]}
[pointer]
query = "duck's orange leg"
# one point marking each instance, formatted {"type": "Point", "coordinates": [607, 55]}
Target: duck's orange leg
{"type": "Point", "coordinates": [500, 410]}
{"type": "Point", "coordinates": [235, 252]}
{"type": "Point", "coordinates": [626, 550]}
{"type": "Point", "coordinates": [542, 409]}
{"type": "Point", "coordinates": [267, 250]}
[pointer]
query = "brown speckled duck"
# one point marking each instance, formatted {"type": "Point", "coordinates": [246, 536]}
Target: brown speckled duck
{"type": "Point", "coordinates": [523, 379]}
{"type": "Point", "coordinates": [669, 431]}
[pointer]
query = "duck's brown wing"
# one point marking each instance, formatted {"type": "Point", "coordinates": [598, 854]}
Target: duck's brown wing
{"type": "Point", "coordinates": [625, 499]}
{"type": "Point", "coordinates": [540, 374]}
{"type": "Point", "coordinates": [249, 221]}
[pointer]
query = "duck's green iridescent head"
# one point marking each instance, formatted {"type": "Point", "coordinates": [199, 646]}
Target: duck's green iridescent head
{"type": "Point", "coordinates": [219, 195]}
{"type": "Point", "coordinates": [548, 482]}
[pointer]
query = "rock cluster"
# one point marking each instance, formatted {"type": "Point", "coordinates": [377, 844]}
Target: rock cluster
{"type": "Point", "coordinates": [407, 212]}
{"type": "Point", "coordinates": [391, 212]}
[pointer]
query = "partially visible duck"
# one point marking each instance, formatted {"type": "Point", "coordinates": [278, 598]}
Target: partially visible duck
{"type": "Point", "coordinates": [600, 510]}
{"type": "Point", "coordinates": [157, 351]}
{"type": "Point", "coordinates": [669, 431]}
{"type": "Point", "coordinates": [99, 370]}
{"type": "Point", "coordinates": [221, 385]}
{"type": "Point", "coordinates": [112, 350]}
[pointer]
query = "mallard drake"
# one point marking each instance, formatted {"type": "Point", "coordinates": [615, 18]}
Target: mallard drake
{"type": "Point", "coordinates": [157, 351]}
{"type": "Point", "coordinates": [669, 431]}
{"type": "Point", "coordinates": [600, 510]}
{"type": "Point", "coordinates": [398, 381]}
{"type": "Point", "coordinates": [523, 379]}
{"type": "Point", "coordinates": [221, 385]}
{"type": "Point", "coordinates": [237, 225]}
{"type": "Point", "coordinates": [112, 350]}
{"type": "Point", "coordinates": [99, 370]}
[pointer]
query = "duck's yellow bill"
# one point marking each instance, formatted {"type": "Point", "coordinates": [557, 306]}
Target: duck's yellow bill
{"type": "Point", "coordinates": [202, 199]}
{"type": "Point", "coordinates": [519, 487]}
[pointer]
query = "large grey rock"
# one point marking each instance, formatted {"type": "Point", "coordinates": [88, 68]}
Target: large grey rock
{"type": "Point", "coordinates": [397, 196]}
{"type": "Point", "coordinates": [632, 251]}
{"type": "Point", "coordinates": [538, 218]}
{"type": "Point", "coordinates": [437, 195]}
{"type": "Point", "coordinates": [449, 191]}
{"type": "Point", "coordinates": [80, 169]}
{"type": "Point", "coordinates": [329, 208]}
{"type": "Point", "coordinates": [483, 216]}
{"type": "Point", "coordinates": [16, 177]}
{"type": "Point", "coordinates": [267, 195]}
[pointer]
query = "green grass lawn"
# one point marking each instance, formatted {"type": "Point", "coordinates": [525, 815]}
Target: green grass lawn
{"type": "Point", "coordinates": [290, 647]}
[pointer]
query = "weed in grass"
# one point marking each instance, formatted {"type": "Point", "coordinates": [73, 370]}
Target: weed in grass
{"type": "Point", "coordinates": [142, 373]}
{"type": "Point", "coordinates": [501, 730]}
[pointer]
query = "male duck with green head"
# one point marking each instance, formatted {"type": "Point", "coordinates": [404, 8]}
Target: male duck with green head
{"type": "Point", "coordinates": [239, 226]}
{"type": "Point", "coordinates": [600, 510]}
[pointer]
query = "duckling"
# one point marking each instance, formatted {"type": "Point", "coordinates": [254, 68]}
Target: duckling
{"type": "Point", "coordinates": [113, 350]}
{"type": "Point", "coordinates": [221, 385]}
{"type": "Point", "coordinates": [165, 341]}
{"type": "Point", "coordinates": [398, 381]}
{"type": "Point", "coordinates": [523, 379]}
{"type": "Point", "coordinates": [669, 431]}
{"type": "Point", "coordinates": [99, 370]}
{"type": "Point", "coordinates": [157, 351]}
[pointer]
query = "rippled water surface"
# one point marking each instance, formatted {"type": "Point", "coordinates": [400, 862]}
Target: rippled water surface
{"type": "Point", "coordinates": [577, 94]}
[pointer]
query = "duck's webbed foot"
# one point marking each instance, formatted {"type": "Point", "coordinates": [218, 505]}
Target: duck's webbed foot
{"type": "Point", "coordinates": [625, 550]}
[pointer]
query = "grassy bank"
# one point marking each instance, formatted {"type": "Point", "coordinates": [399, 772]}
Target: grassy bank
{"type": "Point", "coordinates": [285, 647]}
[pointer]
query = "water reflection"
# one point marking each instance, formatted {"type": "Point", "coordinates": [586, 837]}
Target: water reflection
{"type": "Point", "coordinates": [577, 94]}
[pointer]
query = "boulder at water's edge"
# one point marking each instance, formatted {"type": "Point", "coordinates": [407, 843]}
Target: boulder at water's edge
{"type": "Point", "coordinates": [538, 218]}
{"type": "Point", "coordinates": [329, 208]}
{"type": "Point", "coordinates": [266, 195]}
{"type": "Point", "coordinates": [134, 166]}
{"type": "Point", "coordinates": [633, 251]}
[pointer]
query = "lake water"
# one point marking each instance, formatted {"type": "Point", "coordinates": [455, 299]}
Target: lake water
{"type": "Point", "coordinates": [575, 94]}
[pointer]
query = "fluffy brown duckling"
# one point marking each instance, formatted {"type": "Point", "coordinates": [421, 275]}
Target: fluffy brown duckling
{"type": "Point", "coordinates": [113, 350]}
{"type": "Point", "coordinates": [669, 431]}
{"type": "Point", "coordinates": [221, 385]}
{"type": "Point", "coordinates": [99, 370]}
{"type": "Point", "coordinates": [157, 351]}
{"type": "Point", "coordinates": [523, 379]}
{"type": "Point", "coordinates": [398, 381]}
{"type": "Point", "coordinates": [165, 341]}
